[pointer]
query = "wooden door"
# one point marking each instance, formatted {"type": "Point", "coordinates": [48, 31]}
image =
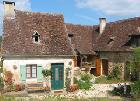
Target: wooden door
{"type": "Point", "coordinates": [57, 77]}
{"type": "Point", "coordinates": [105, 67]}
{"type": "Point", "coordinates": [98, 66]}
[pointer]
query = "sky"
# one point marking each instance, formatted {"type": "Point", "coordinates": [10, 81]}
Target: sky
{"type": "Point", "coordinates": [85, 12]}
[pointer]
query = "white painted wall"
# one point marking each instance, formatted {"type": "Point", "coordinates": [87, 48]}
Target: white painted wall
{"type": "Point", "coordinates": [46, 63]}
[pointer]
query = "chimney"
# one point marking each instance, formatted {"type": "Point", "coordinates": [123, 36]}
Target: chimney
{"type": "Point", "coordinates": [9, 8]}
{"type": "Point", "coordinates": [102, 25]}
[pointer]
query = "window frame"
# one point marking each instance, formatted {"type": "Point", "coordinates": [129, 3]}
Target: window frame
{"type": "Point", "coordinates": [31, 73]}
{"type": "Point", "coordinates": [34, 36]}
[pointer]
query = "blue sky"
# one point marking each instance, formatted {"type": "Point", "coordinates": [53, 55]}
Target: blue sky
{"type": "Point", "coordinates": [85, 12]}
{"type": "Point", "coordinates": [72, 12]}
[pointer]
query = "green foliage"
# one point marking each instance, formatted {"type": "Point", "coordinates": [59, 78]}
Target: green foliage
{"type": "Point", "coordinates": [115, 73]}
{"type": "Point", "coordinates": [55, 98]}
{"type": "Point", "coordinates": [86, 77]}
{"type": "Point", "coordinates": [136, 88]}
{"type": "Point", "coordinates": [1, 83]}
{"type": "Point", "coordinates": [46, 72]}
{"type": "Point", "coordinates": [134, 65]}
{"type": "Point", "coordinates": [105, 80]}
{"type": "Point", "coordinates": [68, 80]}
{"type": "Point", "coordinates": [3, 98]}
{"type": "Point", "coordinates": [84, 82]}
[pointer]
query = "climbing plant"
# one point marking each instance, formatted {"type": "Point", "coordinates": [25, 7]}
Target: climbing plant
{"type": "Point", "coordinates": [67, 80]}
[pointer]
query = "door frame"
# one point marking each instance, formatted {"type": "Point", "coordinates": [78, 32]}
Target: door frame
{"type": "Point", "coordinates": [52, 87]}
{"type": "Point", "coordinates": [103, 68]}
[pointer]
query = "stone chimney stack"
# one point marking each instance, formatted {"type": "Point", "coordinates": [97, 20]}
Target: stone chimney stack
{"type": "Point", "coordinates": [102, 25]}
{"type": "Point", "coordinates": [9, 8]}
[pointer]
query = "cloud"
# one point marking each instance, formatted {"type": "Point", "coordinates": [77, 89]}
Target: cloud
{"type": "Point", "coordinates": [112, 7]}
{"type": "Point", "coordinates": [23, 5]}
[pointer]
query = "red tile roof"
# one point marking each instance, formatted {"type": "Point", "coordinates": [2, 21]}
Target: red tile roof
{"type": "Point", "coordinates": [120, 31]}
{"type": "Point", "coordinates": [17, 37]}
{"type": "Point", "coordinates": [83, 37]}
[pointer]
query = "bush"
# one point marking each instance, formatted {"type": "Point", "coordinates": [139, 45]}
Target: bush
{"type": "Point", "coordinates": [115, 73]}
{"type": "Point", "coordinates": [67, 79]}
{"type": "Point", "coordinates": [8, 78]}
{"type": "Point", "coordinates": [84, 82]}
{"type": "Point", "coordinates": [136, 88]}
{"type": "Point", "coordinates": [46, 72]}
{"type": "Point", "coordinates": [1, 83]}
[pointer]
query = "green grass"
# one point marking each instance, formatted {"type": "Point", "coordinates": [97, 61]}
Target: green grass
{"type": "Point", "coordinates": [104, 80]}
{"type": "Point", "coordinates": [54, 98]}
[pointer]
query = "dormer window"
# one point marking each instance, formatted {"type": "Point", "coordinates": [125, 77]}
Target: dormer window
{"type": "Point", "coordinates": [36, 37]}
{"type": "Point", "coordinates": [134, 41]}
{"type": "Point", "coordinates": [70, 35]}
{"type": "Point", "coordinates": [111, 40]}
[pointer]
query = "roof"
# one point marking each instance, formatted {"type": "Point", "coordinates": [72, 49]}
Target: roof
{"type": "Point", "coordinates": [83, 37]}
{"type": "Point", "coordinates": [87, 39]}
{"type": "Point", "coordinates": [17, 37]}
{"type": "Point", "coordinates": [18, 31]}
{"type": "Point", "coordinates": [120, 31]}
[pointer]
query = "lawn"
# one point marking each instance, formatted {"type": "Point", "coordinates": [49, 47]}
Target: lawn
{"type": "Point", "coordinates": [55, 98]}
{"type": "Point", "coordinates": [104, 80]}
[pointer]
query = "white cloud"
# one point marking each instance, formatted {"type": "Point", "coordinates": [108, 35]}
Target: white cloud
{"type": "Point", "coordinates": [112, 7]}
{"type": "Point", "coordinates": [23, 5]}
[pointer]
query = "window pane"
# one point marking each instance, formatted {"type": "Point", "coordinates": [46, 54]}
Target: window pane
{"type": "Point", "coordinates": [33, 75]}
{"type": "Point", "coordinates": [28, 75]}
{"type": "Point", "coordinates": [56, 74]}
{"type": "Point", "coordinates": [34, 71]}
{"type": "Point", "coordinates": [28, 70]}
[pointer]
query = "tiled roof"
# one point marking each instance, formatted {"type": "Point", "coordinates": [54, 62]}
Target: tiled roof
{"type": "Point", "coordinates": [83, 37]}
{"type": "Point", "coordinates": [18, 31]}
{"type": "Point", "coordinates": [17, 37]}
{"type": "Point", "coordinates": [121, 32]}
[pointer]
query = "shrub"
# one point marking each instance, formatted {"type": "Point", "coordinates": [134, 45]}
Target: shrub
{"type": "Point", "coordinates": [1, 83]}
{"type": "Point", "coordinates": [135, 88]}
{"type": "Point", "coordinates": [8, 78]}
{"type": "Point", "coordinates": [46, 72]}
{"type": "Point", "coordinates": [67, 80]}
{"type": "Point", "coordinates": [115, 73]}
{"type": "Point", "coordinates": [84, 82]}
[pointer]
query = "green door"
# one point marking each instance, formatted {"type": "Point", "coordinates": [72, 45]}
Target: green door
{"type": "Point", "coordinates": [57, 77]}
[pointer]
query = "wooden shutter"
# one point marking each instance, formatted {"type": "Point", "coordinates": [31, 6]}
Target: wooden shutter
{"type": "Point", "coordinates": [23, 73]}
{"type": "Point", "coordinates": [98, 67]}
{"type": "Point", "coordinates": [39, 73]}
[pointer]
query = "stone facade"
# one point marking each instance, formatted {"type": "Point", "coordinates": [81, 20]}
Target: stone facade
{"type": "Point", "coordinates": [117, 58]}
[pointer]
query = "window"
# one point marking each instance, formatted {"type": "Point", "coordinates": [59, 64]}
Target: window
{"type": "Point", "coordinates": [31, 71]}
{"type": "Point", "coordinates": [111, 40]}
{"type": "Point", "coordinates": [36, 37]}
{"type": "Point", "coordinates": [135, 42]}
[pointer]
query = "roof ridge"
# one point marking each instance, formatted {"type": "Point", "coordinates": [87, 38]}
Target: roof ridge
{"type": "Point", "coordinates": [124, 20]}
{"type": "Point", "coordinates": [80, 25]}
{"type": "Point", "coordinates": [42, 13]}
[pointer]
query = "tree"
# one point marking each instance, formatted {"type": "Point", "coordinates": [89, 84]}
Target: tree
{"type": "Point", "coordinates": [135, 65]}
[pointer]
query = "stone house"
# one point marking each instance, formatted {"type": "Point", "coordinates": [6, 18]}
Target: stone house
{"type": "Point", "coordinates": [33, 42]}
{"type": "Point", "coordinates": [106, 44]}
{"type": "Point", "coordinates": [36, 41]}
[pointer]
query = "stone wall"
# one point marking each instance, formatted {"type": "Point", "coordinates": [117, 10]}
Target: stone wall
{"type": "Point", "coordinates": [117, 58]}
